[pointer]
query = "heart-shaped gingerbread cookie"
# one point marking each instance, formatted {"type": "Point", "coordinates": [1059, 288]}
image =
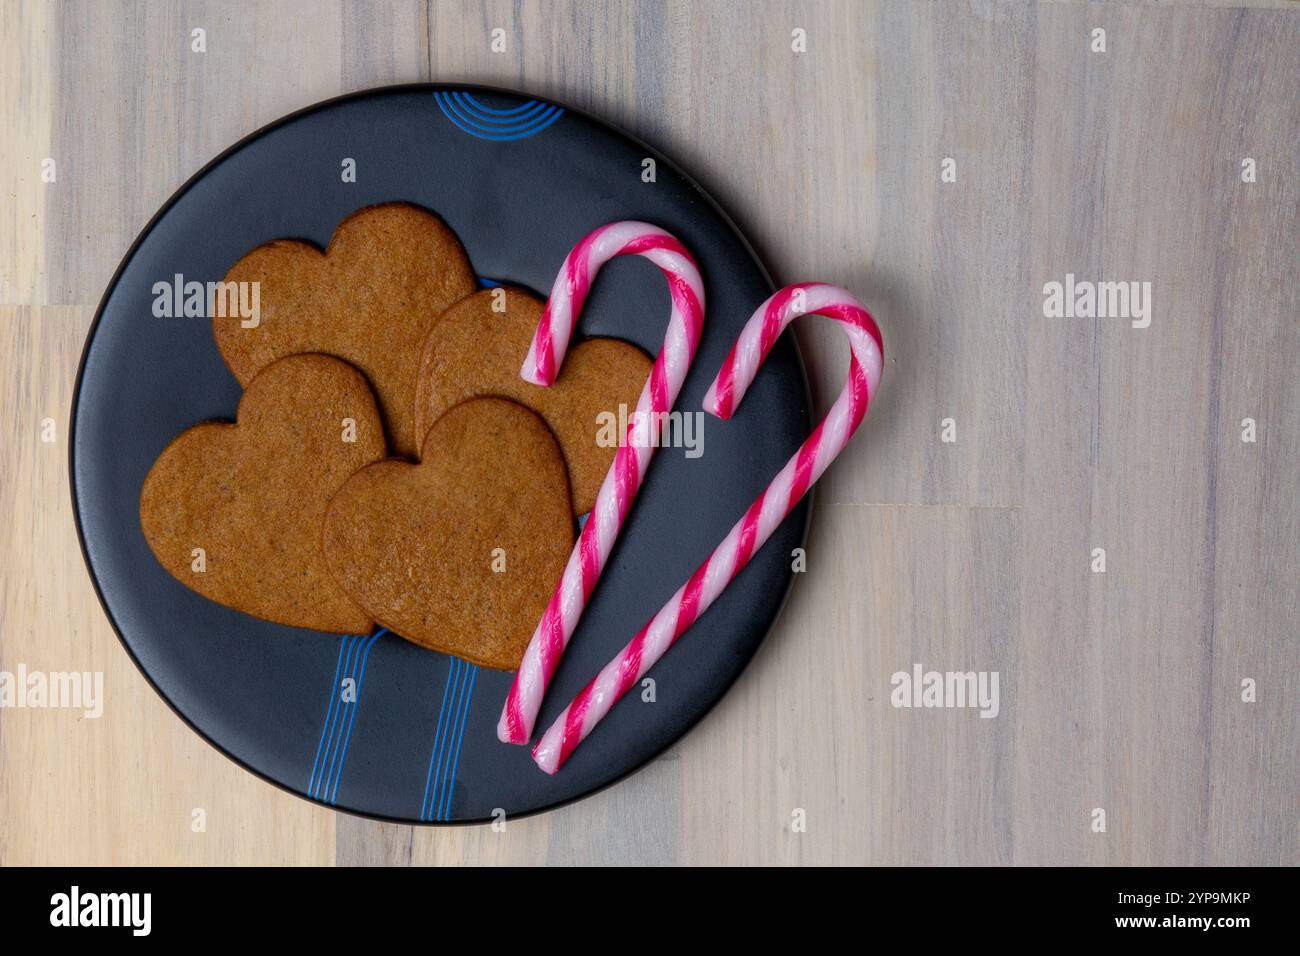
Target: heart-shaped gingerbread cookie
{"type": "Point", "coordinates": [459, 553]}
{"type": "Point", "coordinates": [235, 512]}
{"type": "Point", "coordinates": [370, 299]}
{"type": "Point", "coordinates": [476, 349]}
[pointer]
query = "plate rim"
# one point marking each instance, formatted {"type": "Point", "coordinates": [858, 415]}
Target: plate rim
{"type": "Point", "coordinates": [111, 286]}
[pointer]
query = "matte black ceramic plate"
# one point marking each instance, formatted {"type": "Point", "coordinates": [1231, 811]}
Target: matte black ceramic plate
{"type": "Point", "coordinates": [520, 181]}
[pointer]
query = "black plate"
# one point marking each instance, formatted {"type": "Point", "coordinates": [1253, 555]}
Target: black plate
{"type": "Point", "coordinates": [520, 181]}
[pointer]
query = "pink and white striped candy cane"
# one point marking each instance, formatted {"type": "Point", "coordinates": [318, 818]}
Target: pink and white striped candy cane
{"type": "Point", "coordinates": [763, 516]}
{"type": "Point", "coordinates": [621, 484]}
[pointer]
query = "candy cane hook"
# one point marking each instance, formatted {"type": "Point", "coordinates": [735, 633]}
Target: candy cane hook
{"type": "Point", "coordinates": [623, 480]}
{"type": "Point", "coordinates": [764, 515]}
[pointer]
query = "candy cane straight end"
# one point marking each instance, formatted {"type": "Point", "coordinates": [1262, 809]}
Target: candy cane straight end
{"type": "Point", "coordinates": [547, 756]}
{"type": "Point", "coordinates": [533, 372]}
{"type": "Point", "coordinates": [533, 377]}
{"type": "Point", "coordinates": [546, 762]}
{"type": "Point", "coordinates": [714, 406]}
{"type": "Point", "coordinates": [509, 732]}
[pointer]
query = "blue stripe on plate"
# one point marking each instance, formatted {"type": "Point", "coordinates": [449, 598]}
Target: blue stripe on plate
{"type": "Point", "coordinates": [329, 711]}
{"type": "Point", "coordinates": [352, 714]}
{"type": "Point", "coordinates": [340, 716]}
{"type": "Point", "coordinates": [444, 759]}
{"type": "Point", "coordinates": [329, 742]}
{"type": "Point", "coordinates": [460, 736]}
{"type": "Point", "coordinates": [437, 741]}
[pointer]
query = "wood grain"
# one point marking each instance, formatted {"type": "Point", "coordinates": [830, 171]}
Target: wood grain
{"type": "Point", "coordinates": [1120, 691]}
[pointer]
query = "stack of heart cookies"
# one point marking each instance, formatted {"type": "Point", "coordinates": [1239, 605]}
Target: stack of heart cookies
{"type": "Point", "coordinates": [387, 464]}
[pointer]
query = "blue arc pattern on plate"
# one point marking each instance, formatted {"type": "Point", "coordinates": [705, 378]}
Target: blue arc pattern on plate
{"type": "Point", "coordinates": [499, 125]}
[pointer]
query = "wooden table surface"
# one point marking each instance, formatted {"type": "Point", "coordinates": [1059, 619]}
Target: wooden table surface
{"type": "Point", "coordinates": [1120, 691]}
